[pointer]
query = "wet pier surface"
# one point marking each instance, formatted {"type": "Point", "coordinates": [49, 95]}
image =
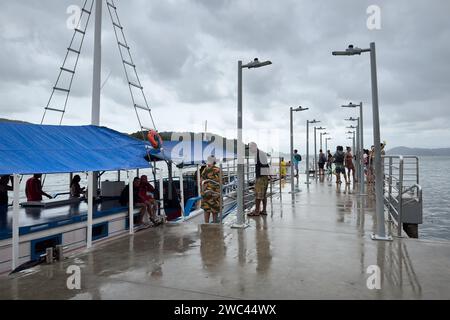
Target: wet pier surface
{"type": "Point", "coordinates": [315, 247]}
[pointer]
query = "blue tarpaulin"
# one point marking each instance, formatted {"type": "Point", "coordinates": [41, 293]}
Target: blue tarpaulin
{"type": "Point", "coordinates": [31, 148]}
{"type": "Point", "coordinates": [191, 152]}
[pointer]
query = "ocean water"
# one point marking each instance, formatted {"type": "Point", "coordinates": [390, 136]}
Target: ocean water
{"type": "Point", "coordinates": [434, 179]}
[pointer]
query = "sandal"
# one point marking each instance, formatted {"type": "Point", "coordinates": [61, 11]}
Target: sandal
{"type": "Point", "coordinates": [252, 214]}
{"type": "Point", "coordinates": [264, 213]}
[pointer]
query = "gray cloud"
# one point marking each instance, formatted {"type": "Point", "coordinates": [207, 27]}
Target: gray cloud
{"type": "Point", "coordinates": [187, 52]}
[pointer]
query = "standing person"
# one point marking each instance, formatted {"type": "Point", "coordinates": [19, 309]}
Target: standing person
{"type": "Point", "coordinates": [75, 189]}
{"type": "Point", "coordinates": [33, 188]}
{"type": "Point", "coordinates": [283, 168]}
{"type": "Point", "coordinates": [146, 196]}
{"type": "Point", "coordinates": [370, 177]}
{"type": "Point", "coordinates": [349, 165]}
{"type": "Point", "coordinates": [321, 162]}
{"type": "Point", "coordinates": [339, 158]}
{"type": "Point", "coordinates": [262, 170]}
{"type": "Point", "coordinates": [211, 194]}
{"type": "Point", "coordinates": [329, 163]}
{"type": "Point", "coordinates": [366, 162]}
{"type": "Point", "coordinates": [297, 159]}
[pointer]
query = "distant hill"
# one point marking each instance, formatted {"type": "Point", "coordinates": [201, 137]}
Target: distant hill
{"type": "Point", "coordinates": [14, 121]}
{"type": "Point", "coordinates": [419, 151]}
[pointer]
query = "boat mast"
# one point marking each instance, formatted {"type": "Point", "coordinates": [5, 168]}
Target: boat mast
{"type": "Point", "coordinates": [96, 77]}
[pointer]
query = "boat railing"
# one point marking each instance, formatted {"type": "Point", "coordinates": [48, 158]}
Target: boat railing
{"type": "Point", "coordinates": [402, 192]}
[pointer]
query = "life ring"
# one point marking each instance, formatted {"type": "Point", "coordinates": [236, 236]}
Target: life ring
{"type": "Point", "coordinates": [155, 139]}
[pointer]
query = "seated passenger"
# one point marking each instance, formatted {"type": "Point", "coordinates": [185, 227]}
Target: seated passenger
{"type": "Point", "coordinates": [75, 190]}
{"type": "Point", "coordinates": [146, 196]}
{"type": "Point", "coordinates": [33, 189]}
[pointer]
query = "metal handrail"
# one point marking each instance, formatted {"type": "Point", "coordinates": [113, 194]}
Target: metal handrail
{"type": "Point", "coordinates": [395, 182]}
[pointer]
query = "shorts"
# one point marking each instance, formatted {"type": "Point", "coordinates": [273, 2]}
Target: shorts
{"type": "Point", "coordinates": [350, 167]}
{"type": "Point", "coordinates": [340, 168]}
{"type": "Point", "coordinates": [321, 165]}
{"type": "Point", "coordinates": [296, 166]}
{"type": "Point", "coordinates": [261, 187]}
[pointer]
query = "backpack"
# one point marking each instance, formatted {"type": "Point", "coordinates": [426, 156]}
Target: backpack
{"type": "Point", "coordinates": [298, 157]}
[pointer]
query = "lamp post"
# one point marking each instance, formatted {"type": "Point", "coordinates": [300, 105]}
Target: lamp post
{"type": "Point", "coordinates": [307, 148]}
{"type": "Point", "coordinates": [353, 139]}
{"type": "Point", "coordinates": [360, 154]}
{"type": "Point", "coordinates": [355, 146]}
{"type": "Point", "coordinates": [326, 143]}
{"type": "Point", "coordinates": [292, 110]}
{"type": "Point", "coordinates": [321, 135]}
{"type": "Point", "coordinates": [240, 223]}
{"type": "Point", "coordinates": [350, 51]}
{"type": "Point", "coordinates": [315, 149]}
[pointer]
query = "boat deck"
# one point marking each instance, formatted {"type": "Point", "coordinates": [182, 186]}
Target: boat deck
{"type": "Point", "coordinates": [317, 246]}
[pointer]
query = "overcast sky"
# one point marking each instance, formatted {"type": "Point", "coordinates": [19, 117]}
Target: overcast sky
{"type": "Point", "coordinates": [186, 52]}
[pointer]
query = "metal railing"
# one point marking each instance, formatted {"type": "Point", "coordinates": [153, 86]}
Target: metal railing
{"type": "Point", "coordinates": [402, 191]}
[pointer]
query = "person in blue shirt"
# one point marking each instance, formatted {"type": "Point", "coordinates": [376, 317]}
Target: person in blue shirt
{"type": "Point", "coordinates": [297, 159]}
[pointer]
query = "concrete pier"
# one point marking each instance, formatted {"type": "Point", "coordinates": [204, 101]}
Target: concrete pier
{"type": "Point", "coordinates": [316, 246]}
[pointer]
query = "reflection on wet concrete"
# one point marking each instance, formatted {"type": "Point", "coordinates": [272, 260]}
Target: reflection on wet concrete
{"type": "Point", "coordinates": [315, 247]}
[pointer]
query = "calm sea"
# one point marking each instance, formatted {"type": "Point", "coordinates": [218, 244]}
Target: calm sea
{"type": "Point", "coordinates": [433, 179]}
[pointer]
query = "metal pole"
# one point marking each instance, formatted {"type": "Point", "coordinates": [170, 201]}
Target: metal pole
{"type": "Point", "coordinates": [96, 79]}
{"type": "Point", "coordinates": [321, 141]}
{"type": "Point", "coordinates": [90, 209]}
{"type": "Point", "coordinates": [361, 140]}
{"type": "Point", "coordinates": [400, 197]}
{"type": "Point", "coordinates": [307, 152]}
{"type": "Point", "coordinates": [292, 148]}
{"type": "Point", "coordinates": [326, 146]}
{"type": "Point", "coordinates": [315, 154]}
{"type": "Point", "coordinates": [240, 155]}
{"type": "Point", "coordinates": [381, 232]}
{"type": "Point", "coordinates": [199, 186]}
{"type": "Point", "coordinates": [131, 202]}
{"type": "Point", "coordinates": [15, 223]}
{"type": "Point", "coordinates": [96, 75]}
{"type": "Point", "coordinates": [161, 193]}
{"type": "Point", "coordinates": [357, 154]}
{"type": "Point", "coordinates": [221, 193]}
{"type": "Point", "coordinates": [182, 194]}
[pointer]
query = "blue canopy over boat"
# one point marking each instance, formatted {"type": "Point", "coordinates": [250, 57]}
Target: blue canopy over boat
{"type": "Point", "coordinates": [188, 152]}
{"type": "Point", "coordinates": [31, 148]}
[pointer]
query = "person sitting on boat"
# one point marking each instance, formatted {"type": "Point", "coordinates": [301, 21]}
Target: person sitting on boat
{"type": "Point", "coordinates": [262, 171]}
{"type": "Point", "coordinates": [210, 177]}
{"type": "Point", "coordinates": [4, 188]}
{"type": "Point", "coordinates": [33, 189]}
{"type": "Point", "coordinates": [125, 197]}
{"type": "Point", "coordinates": [75, 190]}
{"type": "Point", "coordinates": [146, 196]}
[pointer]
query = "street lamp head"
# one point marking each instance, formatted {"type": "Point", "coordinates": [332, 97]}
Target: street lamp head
{"type": "Point", "coordinates": [300, 108]}
{"type": "Point", "coordinates": [320, 128]}
{"type": "Point", "coordinates": [313, 121]}
{"type": "Point", "coordinates": [349, 132]}
{"type": "Point", "coordinates": [257, 64]}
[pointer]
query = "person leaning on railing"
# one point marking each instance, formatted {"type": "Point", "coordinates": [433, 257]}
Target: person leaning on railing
{"type": "Point", "coordinates": [262, 170]}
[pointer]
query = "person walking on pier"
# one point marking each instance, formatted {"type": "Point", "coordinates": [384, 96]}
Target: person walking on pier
{"type": "Point", "coordinates": [349, 165]}
{"type": "Point", "coordinates": [339, 158]}
{"type": "Point", "coordinates": [262, 170]}
{"type": "Point", "coordinates": [321, 162]}
{"type": "Point", "coordinates": [297, 159]}
{"type": "Point", "coordinates": [329, 163]}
